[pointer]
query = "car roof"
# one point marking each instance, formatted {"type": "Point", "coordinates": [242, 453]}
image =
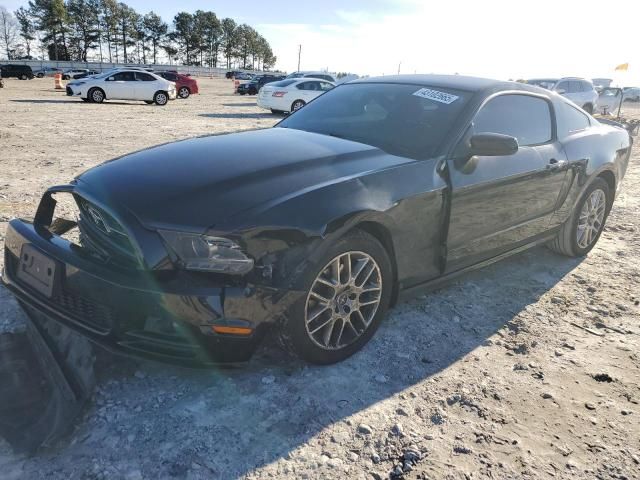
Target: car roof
{"type": "Point", "coordinates": [306, 79]}
{"type": "Point", "coordinates": [457, 82]}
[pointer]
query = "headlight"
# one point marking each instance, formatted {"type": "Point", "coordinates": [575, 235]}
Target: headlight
{"type": "Point", "coordinates": [208, 254]}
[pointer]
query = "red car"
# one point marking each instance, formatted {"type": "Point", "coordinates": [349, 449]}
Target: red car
{"type": "Point", "coordinates": [185, 86]}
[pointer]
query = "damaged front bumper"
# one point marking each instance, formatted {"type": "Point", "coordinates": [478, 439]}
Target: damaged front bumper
{"type": "Point", "coordinates": [135, 311]}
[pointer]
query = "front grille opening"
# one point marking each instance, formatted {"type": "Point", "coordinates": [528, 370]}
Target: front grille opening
{"type": "Point", "coordinates": [93, 230]}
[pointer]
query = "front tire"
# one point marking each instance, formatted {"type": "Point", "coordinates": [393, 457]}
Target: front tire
{"type": "Point", "coordinates": [348, 291]}
{"type": "Point", "coordinates": [161, 98]}
{"type": "Point", "coordinates": [581, 231]}
{"type": "Point", "coordinates": [184, 92]}
{"type": "Point", "coordinates": [96, 95]}
{"type": "Point", "coordinates": [23, 77]}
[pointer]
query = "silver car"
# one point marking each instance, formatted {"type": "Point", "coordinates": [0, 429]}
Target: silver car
{"type": "Point", "coordinates": [579, 90]}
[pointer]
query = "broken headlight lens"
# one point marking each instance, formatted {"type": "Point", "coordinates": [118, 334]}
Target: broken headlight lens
{"type": "Point", "coordinates": [208, 254]}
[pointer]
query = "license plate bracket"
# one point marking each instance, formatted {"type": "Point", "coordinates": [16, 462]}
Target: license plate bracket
{"type": "Point", "coordinates": [38, 271]}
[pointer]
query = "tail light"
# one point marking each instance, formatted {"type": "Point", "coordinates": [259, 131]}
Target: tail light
{"type": "Point", "coordinates": [279, 94]}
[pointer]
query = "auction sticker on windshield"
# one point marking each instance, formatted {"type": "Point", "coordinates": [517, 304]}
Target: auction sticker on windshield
{"type": "Point", "coordinates": [441, 97]}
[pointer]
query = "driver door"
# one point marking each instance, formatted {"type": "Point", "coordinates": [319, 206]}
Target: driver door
{"type": "Point", "coordinates": [501, 202]}
{"type": "Point", "coordinates": [120, 86]}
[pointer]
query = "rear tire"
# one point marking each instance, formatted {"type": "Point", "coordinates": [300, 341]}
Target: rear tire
{"type": "Point", "coordinates": [23, 77]}
{"type": "Point", "coordinates": [184, 92]}
{"type": "Point", "coordinates": [570, 240]}
{"type": "Point", "coordinates": [96, 95]}
{"type": "Point", "coordinates": [161, 98]}
{"type": "Point", "coordinates": [297, 105]}
{"type": "Point", "coordinates": [360, 269]}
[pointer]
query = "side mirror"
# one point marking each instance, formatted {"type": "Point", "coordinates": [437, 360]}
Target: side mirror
{"type": "Point", "coordinates": [493, 145]}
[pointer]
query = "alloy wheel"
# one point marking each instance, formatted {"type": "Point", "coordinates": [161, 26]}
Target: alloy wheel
{"type": "Point", "coordinates": [297, 105]}
{"type": "Point", "coordinates": [97, 96]}
{"type": "Point", "coordinates": [161, 99]}
{"type": "Point", "coordinates": [591, 218]}
{"type": "Point", "coordinates": [343, 300]}
{"type": "Point", "coordinates": [183, 92]}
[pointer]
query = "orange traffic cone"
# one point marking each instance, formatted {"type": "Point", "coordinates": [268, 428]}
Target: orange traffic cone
{"type": "Point", "coordinates": [57, 78]}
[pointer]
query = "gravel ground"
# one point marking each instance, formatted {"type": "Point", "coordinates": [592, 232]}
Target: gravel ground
{"type": "Point", "coordinates": [526, 369]}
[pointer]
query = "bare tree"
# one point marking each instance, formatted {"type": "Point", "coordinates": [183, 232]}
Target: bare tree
{"type": "Point", "coordinates": [8, 33]}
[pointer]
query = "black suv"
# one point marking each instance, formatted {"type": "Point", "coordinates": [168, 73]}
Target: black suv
{"type": "Point", "coordinates": [23, 72]}
{"type": "Point", "coordinates": [254, 86]}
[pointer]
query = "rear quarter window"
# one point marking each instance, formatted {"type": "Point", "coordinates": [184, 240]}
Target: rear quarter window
{"type": "Point", "coordinates": [570, 120]}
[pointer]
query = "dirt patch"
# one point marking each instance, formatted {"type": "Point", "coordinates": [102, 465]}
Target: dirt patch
{"type": "Point", "coordinates": [491, 377]}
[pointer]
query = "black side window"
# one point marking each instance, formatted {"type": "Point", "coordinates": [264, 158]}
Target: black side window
{"type": "Point", "coordinates": [304, 86]}
{"type": "Point", "coordinates": [169, 76]}
{"type": "Point", "coordinates": [524, 117]}
{"type": "Point", "coordinates": [124, 77]}
{"type": "Point", "coordinates": [144, 77]}
{"type": "Point", "coordinates": [570, 120]}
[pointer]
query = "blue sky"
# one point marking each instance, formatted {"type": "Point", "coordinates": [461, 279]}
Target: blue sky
{"type": "Point", "coordinates": [494, 38]}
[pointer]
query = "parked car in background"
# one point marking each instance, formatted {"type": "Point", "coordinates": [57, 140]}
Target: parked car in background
{"type": "Point", "coordinates": [292, 94]}
{"type": "Point", "coordinates": [47, 72]}
{"type": "Point", "coordinates": [376, 192]}
{"type": "Point", "coordinates": [631, 94]}
{"type": "Point", "coordinates": [23, 72]}
{"type": "Point", "coordinates": [185, 85]}
{"type": "Point", "coordinates": [579, 90]}
{"type": "Point", "coordinates": [70, 74]}
{"type": "Point", "coordinates": [609, 101]}
{"type": "Point", "coordinates": [322, 75]}
{"type": "Point", "coordinates": [86, 74]}
{"type": "Point", "coordinates": [232, 74]}
{"type": "Point", "coordinates": [601, 83]}
{"type": "Point", "coordinates": [254, 86]}
{"type": "Point", "coordinates": [123, 84]}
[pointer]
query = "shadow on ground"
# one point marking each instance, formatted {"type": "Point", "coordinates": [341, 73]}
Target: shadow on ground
{"type": "Point", "coordinates": [246, 104]}
{"type": "Point", "coordinates": [237, 115]}
{"type": "Point", "coordinates": [164, 420]}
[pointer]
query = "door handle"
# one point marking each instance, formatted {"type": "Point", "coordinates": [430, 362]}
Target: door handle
{"type": "Point", "coordinates": [556, 164]}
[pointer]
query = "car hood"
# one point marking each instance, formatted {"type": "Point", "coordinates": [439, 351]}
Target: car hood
{"type": "Point", "coordinates": [203, 182]}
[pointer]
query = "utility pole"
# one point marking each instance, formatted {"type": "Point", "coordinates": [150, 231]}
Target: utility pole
{"type": "Point", "coordinates": [299, 54]}
{"type": "Point", "coordinates": [399, 68]}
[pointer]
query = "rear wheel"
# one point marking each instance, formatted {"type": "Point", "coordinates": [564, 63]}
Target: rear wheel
{"type": "Point", "coordinates": [96, 95]}
{"type": "Point", "coordinates": [40, 75]}
{"type": "Point", "coordinates": [581, 231]}
{"type": "Point", "coordinates": [161, 98]}
{"type": "Point", "coordinates": [23, 77]}
{"type": "Point", "coordinates": [348, 291]}
{"type": "Point", "coordinates": [184, 92]}
{"type": "Point", "coordinates": [297, 105]}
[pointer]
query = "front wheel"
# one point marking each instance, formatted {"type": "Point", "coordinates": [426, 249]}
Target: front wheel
{"type": "Point", "coordinates": [297, 105]}
{"type": "Point", "coordinates": [581, 231]}
{"type": "Point", "coordinates": [96, 95]}
{"type": "Point", "coordinates": [348, 291]}
{"type": "Point", "coordinates": [23, 77]}
{"type": "Point", "coordinates": [161, 98]}
{"type": "Point", "coordinates": [40, 75]}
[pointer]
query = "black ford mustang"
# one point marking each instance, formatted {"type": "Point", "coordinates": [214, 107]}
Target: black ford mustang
{"type": "Point", "coordinates": [375, 191]}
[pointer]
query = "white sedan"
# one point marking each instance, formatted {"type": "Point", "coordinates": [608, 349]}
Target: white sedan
{"type": "Point", "coordinates": [291, 94]}
{"type": "Point", "coordinates": [124, 84]}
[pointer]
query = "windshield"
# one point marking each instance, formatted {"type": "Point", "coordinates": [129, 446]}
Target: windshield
{"type": "Point", "coordinates": [405, 120]}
